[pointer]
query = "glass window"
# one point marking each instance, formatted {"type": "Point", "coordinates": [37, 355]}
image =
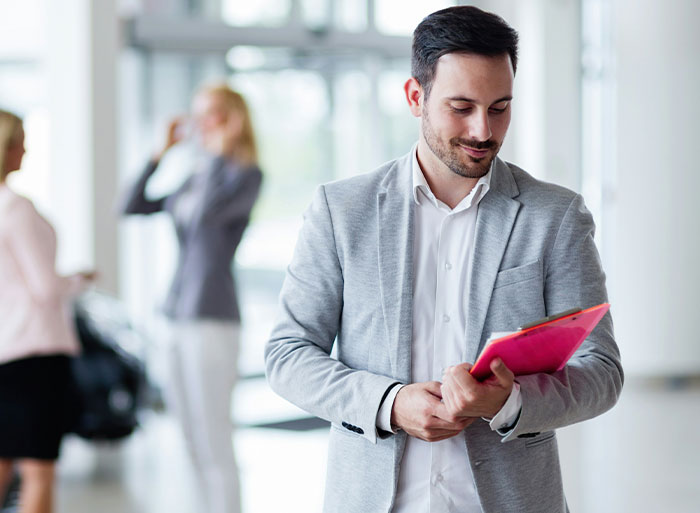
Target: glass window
{"type": "Point", "coordinates": [255, 58]}
{"type": "Point", "coordinates": [23, 91]}
{"type": "Point", "coordinates": [22, 33]}
{"type": "Point", "coordinates": [264, 13]}
{"type": "Point", "coordinates": [315, 13]}
{"type": "Point", "coordinates": [399, 17]}
{"type": "Point", "coordinates": [399, 126]}
{"type": "Point", "coordinates": [290, 110]}
{"type": "Point", "coordinates": [351, 15]}
{"type": "Point", "coordinates": [353, 111]}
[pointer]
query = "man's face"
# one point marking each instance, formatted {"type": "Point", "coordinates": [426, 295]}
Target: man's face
{"type": "Point", "coordinates": [466, 116]}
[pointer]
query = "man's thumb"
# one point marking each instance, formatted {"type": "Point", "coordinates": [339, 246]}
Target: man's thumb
{"type": "Point", "coordinates": [500, 370]}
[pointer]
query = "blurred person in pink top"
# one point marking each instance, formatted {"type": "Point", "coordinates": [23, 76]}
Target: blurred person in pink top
{"type": "Point", "coordinates": [36, 336]}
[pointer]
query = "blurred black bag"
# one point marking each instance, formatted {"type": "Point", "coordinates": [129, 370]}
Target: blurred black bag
{"type": "Point", "coordinates": [109, 382]}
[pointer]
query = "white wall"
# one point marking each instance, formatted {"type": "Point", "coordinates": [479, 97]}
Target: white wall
{"type": "Point", "coordinates": [655, 271]}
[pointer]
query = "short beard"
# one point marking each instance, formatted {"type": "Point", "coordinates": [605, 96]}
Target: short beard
{"type": "Point", "coordinates": [451, 156]}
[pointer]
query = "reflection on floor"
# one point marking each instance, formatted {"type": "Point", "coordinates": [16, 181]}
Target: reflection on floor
{"type": "Point", "coordinates": [643, 456]}
{"type": "Point", "coordinates": [149, 473]}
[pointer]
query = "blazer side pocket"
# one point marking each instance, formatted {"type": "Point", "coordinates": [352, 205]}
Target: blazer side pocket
{"type": "Point", "coordinates": [518, 274]}
{"type": "Point", "coordinates": [542, 439]}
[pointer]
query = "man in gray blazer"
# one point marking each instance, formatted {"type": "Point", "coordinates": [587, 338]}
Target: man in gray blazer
{"type": "Point", "coordinates": [407, 270]}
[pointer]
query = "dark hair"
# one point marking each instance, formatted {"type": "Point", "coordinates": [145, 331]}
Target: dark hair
{"type": "Point", "coordinates": [459, 29]}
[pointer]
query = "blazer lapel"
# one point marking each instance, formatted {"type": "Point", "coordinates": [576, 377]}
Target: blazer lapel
{"type": "Point", "coordinates": [395, 258]}
{"type": "Point", "coordinates": [495, 219]}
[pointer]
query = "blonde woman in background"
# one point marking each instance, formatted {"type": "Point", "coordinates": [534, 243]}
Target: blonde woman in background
{"type": "Point", "coordinates": [210, 212]}
{"type": "Point", "coordinates": [36, 336]}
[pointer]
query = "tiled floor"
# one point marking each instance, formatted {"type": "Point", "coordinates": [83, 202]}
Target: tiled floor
{"type": "Point", "coordinates": [643, 456]}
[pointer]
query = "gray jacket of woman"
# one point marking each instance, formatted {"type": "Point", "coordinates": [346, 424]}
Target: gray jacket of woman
{"type": "Point", "coordinates": [203, 286]}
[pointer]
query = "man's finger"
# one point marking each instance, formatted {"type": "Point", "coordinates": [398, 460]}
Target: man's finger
{"type": "Point", "coordinates": [443, 415]}
{"type": "Point", "coordinates": [459, 378]}
{"type": "Point", "coordinates": [449, 403]}
{"type": "Point", "coordinates": [434, 388]}
{"type": "Point", "coordinates": [440, 409]}
{"type": "Point", "coordinates": [504, 375]}
{"type": "Point", "coordinates": [436, 422]}
{"type": "Point", "coordinates": [466, 366]}
{"type": "Point", "coordinates": [433, 437]}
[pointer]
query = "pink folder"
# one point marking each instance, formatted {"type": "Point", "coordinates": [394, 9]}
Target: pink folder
{"type": "Point", "coordinates": [545, 347]}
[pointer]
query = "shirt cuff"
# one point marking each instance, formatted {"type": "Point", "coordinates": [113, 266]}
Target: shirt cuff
{"type": "Point", "coordinates": [384, 413]}
{"type": "Point", "coordinates": [506, 418]}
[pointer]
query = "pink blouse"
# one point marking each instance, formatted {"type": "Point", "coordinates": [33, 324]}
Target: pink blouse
{"type": "Point", "coordinates": [34, 314]}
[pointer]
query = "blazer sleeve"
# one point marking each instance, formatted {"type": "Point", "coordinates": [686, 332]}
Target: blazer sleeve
{"type": "Point", "coordinates": [591, 382]}
{"type": "Point", "coordinates": [135, 201]}
{"type": "Point", "coordinates": [297, 356]}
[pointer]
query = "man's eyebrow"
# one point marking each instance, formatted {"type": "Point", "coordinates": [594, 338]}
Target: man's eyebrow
{"type": "Point", "coordinates": [469, 100]}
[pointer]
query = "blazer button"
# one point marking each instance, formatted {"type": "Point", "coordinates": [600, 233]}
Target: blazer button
{"type": "Point", "coordinates": [359, 431]}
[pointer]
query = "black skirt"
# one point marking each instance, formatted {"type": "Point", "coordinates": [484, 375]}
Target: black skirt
{"type": "Point", "coordinates": [35, 406]}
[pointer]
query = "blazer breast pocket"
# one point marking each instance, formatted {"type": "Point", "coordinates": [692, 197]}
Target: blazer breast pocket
{"type": "Point", "coordinates": [522, 273]}
{"type": "Point", "coordinates": [518, 297]}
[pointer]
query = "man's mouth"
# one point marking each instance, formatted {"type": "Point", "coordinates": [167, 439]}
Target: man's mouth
{"type": "Point", "coordinates": [473, 152]}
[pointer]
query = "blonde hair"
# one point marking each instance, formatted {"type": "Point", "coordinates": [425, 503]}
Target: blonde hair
{"type": "Point", "coordinates": [10, 127]}
{"type": "Point", "coordinates": [246, 147]}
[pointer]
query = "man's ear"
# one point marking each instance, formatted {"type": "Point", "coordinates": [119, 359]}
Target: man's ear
{"type": "Point", "coordinates": [414, 96]}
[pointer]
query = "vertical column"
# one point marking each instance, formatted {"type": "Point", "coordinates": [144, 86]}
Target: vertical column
{"type": "Point", "coordinates": [68, 70]}
{"type": "Point", "coordinates": [81, 61]}
{"type": "Point", "coordinates": [104, 158]}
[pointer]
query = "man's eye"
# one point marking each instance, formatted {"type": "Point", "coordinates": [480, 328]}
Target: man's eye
{"type": "Point", "coordinates": [498, 108]}
{"type": "Point", "coordinates": [461, 110]}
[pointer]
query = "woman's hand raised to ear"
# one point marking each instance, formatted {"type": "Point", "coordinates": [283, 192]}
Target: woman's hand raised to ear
{"type": "Point", "coordinates": [174, 135]}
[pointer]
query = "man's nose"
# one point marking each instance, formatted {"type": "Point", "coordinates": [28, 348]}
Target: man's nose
{"type": "Point", "coordinates": [479, 126]}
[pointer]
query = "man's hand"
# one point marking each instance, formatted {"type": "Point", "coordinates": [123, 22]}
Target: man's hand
{"type": "Point", "coordinates": [419, 412]}
{"type": "Point", "coordinates": [464, 396]}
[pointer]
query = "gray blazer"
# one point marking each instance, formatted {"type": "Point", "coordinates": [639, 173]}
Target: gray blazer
{"type": "Point", "coordinates": [203, 284]}
{"type": "Point", "coordinates": [351, 278]}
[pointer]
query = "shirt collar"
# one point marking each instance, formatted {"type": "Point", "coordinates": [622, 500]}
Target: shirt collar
{"type": "Point", "coordinates": [421, 187]}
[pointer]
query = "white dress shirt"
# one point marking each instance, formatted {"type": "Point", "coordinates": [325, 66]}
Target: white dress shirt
{"type": "Point", "coordinates": [437, 477]}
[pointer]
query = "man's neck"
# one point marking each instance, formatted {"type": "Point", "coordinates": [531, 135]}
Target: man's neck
{"type": "Point", "coordinates": [447, 186]}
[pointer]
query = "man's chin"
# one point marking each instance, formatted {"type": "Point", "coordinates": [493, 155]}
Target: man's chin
{"type": "Point", "coordinates": [471, 175]}
{"type": "Point", "coordinates": [478, 168]}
